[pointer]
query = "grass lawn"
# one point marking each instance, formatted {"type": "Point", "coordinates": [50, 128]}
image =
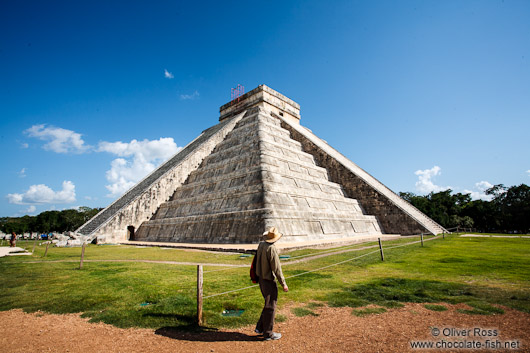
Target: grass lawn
{"type": "Point", "coordinates": [482, 272]}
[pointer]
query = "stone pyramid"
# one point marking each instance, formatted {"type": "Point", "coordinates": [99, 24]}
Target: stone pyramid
{"type": "Point", "coordinates": [257, 168]}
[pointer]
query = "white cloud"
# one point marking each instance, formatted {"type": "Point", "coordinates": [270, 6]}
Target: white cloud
{"type": "Point", "coordinates": [137, 159]}
{"type": "Point", "coordinates": [528, 171]}
{"type": "Point", "coordinates": [425, 183]}
{"type": "Point", "coordinates": [60, 140]}
{"type": "Point", "coordinates": [483, 185]}
{"type": "Point", "coordinates": [31, 209]}
{"type": "Point", "coordinates": [190, 96]}
{"type": "Point", "coordinates": [38, 194]}
{"type": "Point", "coordinates": [480, 191]}
{"type": "Point", "coordinates": [168, 74]}
{"type": "Point", "coordinates": [24, 145]}
{"type": "Point", "coordinates": [22, 173]}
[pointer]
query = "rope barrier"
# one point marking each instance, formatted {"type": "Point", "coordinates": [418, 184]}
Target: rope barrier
{"type": "Point", "coordinates": [341, 249]}
{"type": "Point", "coordinates": [317, 269]}
{"type": "Point", "coordinates": [230, 291]}
{"type": "Point", "coordinates": [335, 264]}
{"type": "Point", "coordinates": [297, 275]}
{"type": "Point", "coordinates": [326, 251]}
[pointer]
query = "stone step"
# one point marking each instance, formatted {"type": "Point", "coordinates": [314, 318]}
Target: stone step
{"type": "Point", "coordinates": [213, 183]}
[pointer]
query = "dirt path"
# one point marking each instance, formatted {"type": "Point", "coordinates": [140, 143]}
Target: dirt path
{"type": "Point", "coordinates": [334, 330]}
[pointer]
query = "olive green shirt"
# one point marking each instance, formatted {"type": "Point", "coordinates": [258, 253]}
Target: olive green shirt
{"type": "Point", "coordinates": [268, 263]}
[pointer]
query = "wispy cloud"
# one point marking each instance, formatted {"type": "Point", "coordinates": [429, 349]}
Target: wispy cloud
{"type": "Point", "coordinates": [194, 95]}
{"type": "Point", "coordinates": [425, 183]}
{"type": "Point", "coordinates": [24, 145]}
{"type": "Point", "coordinates": [31, 209]}
{"type": "Point", "coordinates": [40, 193]}
{"type": "Point", "coordinates": [59, 140]}
{"type": "Point", "coordinates": [528, 172]}
{"type": "Point", "coordinates": [22, 173]}
{"type": "Point", "coordinates": [480, 191]}
{"type": "Point", "coordinates": [168, 74]}
{"type": "Point", "coordinates": [137, 159]}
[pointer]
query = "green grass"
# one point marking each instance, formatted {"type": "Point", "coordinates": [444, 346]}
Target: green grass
{"type": "Point", "coordinates": [481, 308]}
{"type": "Point", "coordinates": [435, 307]}
{"type": "Point", "coordinates": [368, 311]}
{"type": "Point", "coordinates": [481, 272]}
{"type": "Point", "coordinates": [300, 311]}
{"type": "Point", "coordinates": [314, 305]}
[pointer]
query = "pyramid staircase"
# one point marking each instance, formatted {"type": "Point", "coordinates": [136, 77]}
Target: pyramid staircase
{"type": "Point", "coordinates": [142, 200]}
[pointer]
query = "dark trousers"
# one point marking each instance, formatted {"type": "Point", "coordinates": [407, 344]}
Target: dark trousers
{"type": "Point", "coordinates": [269, 290]}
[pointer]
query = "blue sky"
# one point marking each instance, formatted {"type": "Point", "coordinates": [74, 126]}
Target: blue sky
{"type": "Point", "coordinates": [424, 95]}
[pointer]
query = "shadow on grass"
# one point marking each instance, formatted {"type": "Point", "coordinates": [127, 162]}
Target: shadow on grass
{"type": "Point", "coordinates": [391, 292]}
{"type": "Point", "coordinates": [194, 332]}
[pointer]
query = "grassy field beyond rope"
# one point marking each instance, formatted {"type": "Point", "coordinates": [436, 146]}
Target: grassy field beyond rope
{"type": "Point", "coordinates": [481, 272]}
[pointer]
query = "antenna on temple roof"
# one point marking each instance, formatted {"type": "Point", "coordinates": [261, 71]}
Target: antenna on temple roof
{"type": "Point", "coordinates": [237, 92]}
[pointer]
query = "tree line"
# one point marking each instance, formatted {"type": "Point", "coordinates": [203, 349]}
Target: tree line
{"type": "Point", "coordinates": [48, 221]}
{"type": "Point", "coordinates": [507, 212]}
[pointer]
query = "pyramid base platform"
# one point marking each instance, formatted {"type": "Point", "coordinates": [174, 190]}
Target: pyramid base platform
{"type": "Point", "coordinates": [250, 248]}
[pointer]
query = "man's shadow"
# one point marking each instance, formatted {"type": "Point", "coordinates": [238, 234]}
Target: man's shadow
{"type": "Point", "coordinates": [204, 334]}
{"type": "Point", "coordinates": [191, 331]}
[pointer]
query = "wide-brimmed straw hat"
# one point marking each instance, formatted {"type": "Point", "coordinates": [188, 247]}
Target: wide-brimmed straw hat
{"type": "Point", "coordinates": [272, 235]}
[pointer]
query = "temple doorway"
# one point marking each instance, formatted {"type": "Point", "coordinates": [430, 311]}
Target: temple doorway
{"type": "Point", "coordinates": [130, 233]}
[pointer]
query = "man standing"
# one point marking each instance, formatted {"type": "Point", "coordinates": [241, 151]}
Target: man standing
{"type": "Point", "coordinates": [13, 240]}
{"type": "Point", "coordinates": [268, 268]}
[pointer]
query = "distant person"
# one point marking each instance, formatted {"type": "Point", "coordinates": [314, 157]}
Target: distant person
{"type": "Point", "coordinates": [13, 240]}
{"type": "Point", "coordinates": [268, 268]}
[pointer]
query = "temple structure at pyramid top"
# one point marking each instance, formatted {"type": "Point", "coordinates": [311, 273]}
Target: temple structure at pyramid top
{"type": "Point", "coordinates": [267, 98]}
{"type": "Point", "coordinates": [257, 168]}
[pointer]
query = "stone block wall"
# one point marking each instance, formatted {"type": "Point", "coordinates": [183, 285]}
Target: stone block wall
{"type": "Point", "coordinates": [257, 177]}
{"type": "Point", "coordinates": [395, 215]}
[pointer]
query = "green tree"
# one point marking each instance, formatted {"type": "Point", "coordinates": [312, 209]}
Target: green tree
{"type": "Point", "coordinates": [513, 204]}
{"type": "Point", "coordinates": [484, 216]}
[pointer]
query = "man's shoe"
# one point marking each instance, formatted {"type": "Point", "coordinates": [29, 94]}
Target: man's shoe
{"type": "Point", "coordinates": [274, 336]}
{"type": "Point", "coordinates": [258, 332]}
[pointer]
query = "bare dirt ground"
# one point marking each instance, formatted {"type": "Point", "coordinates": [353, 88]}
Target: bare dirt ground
{"type": "Point", "coordinates": [334, 330]}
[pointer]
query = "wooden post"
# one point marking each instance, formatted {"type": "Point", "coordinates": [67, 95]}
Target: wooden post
{"type": "Point", "coordinates": [46, 251]}
{"type": "Point", "coordinates": [421, 239]}
{"type": "Point", "coordinates": [82, 256]}
{"type": "Point", "coordinates": [199, 294]}
{"type": "Point", "coordinates": [443, 234]}
{"type": "Point", "coordinates": [35, 243]}
{"type": "Point", "coordinates": [381, 250]}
